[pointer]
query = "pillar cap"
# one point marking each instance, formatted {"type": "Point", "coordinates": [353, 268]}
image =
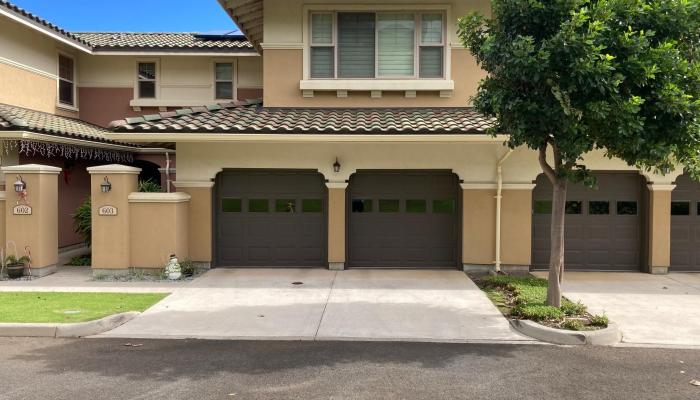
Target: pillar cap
{"type": "Point", "coordinates": [661, 187]}
{"type": "Point", "coordinates": [114, 169]}
{"type": "Point", "coordinates": [176, 197]}
{"type": "Point", "coordinates": [336, 185]}
{"type": "Point", "coordinates": [31, 169]}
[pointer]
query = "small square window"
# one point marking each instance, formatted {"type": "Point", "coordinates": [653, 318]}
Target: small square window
{"type": "Point", "coordinates": [680, 208]}
{"type": "Point", "coordinates": [416, 206]}
{"type": "Point", "coordinates": [443, 206]}
{"type": "Point", "coordinates": [258, 205]}
{"type": "Point", "coordinates": [389, 206]}
{"type": "Point", "coordinates": [285, 205]}
{"type": "Point", "coordinates": [574, 207]}
{"type": "Point", "coordinates": [626, 208]}
{"type": "Point", "coordinates": [542, 207]}
{"type": "Point", "coordinates": [361, 205]}
{"type": "Point", "coordinates": [599, 208]}
{"type": "Point", "coordinates": [312, 205]}
{"type": "Point", "coordinates": [231, 205]}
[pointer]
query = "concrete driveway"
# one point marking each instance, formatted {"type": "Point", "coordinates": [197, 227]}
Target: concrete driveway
{"type": "Point", "coordinates": [650, 309]}
{"type": "Point", "coordinates": [441, 306]}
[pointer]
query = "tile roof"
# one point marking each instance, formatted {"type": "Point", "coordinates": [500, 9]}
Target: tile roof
{"type": "Point", "coordinates": [164, 41]}
{"type": "Point", "coordinates": [251, 117]}
{"type": "Point", "coordinates": [22, 119]}
{"type": "Point", "coordinates": [35, 19]}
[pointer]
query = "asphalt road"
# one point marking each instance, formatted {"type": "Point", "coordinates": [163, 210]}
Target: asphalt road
{"type": "Point", "coordinates": [107, 369]}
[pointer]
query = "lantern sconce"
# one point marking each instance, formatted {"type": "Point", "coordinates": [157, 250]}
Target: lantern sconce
{"type": "Point", "coordinates": [336, 165]}
{"type": "Point", "coordinates": [20, 184]}
{"type": "Point", "coordinates": [106, 185]}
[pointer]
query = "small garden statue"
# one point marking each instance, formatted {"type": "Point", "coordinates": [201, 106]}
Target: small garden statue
{"type": "Point", "coordinates": [172, 269]}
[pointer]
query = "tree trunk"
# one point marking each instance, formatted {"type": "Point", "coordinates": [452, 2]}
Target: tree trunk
{"type": "Point", "coordinates": [556, 255]}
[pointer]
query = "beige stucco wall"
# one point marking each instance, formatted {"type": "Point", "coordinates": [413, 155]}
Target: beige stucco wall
{"type": "Point", "coordinates": [659, 235]}
{"type": "Point", "coordinates": [516, 227]}
{"type": "Point", "coordinates": [336, 225]}
{"type": "Point", "coordinates": [158, 229]}
{"type": "Point", "coordinates": [111, 244]}
{"type": "Point", "coordinates": [182, 80]}
{"type": "Point", "coordinates": [3, 217]}
{"type": "Point", "coordinates": [29, 68]}
{"type": "Point", "coordinates": [200, 221]}
{"type": "Point", "coordinates": [39, 231]}
{"type": "Point", "coordinates": [478, 226]}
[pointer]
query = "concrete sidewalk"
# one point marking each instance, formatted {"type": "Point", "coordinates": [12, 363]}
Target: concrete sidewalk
{"type": "Point", "coordinates": [649, 309]}
{"type": "Point", "coordinates": [439, 306]}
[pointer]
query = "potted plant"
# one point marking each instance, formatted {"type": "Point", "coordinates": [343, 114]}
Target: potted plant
{"type": "Point", "coordinates": [15, 266]}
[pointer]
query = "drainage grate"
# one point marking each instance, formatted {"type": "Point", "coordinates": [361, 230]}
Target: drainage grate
{"type": "Point", "coordinates": [297, 283]}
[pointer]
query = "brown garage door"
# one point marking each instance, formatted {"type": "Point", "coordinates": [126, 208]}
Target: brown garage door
{"type": "Point", "coordinates": [603, 226]}
{"type": "Point", "coordinates": [270, 219]}
{"type": "Point", "coordinates": [685, 226]}
{"type": "Point", "coordinates": [403, 220]}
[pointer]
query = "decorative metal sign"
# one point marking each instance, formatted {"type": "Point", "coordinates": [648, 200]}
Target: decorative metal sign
{"type": "Point", "coordinates": [108, 211]}
{"type": "Point", "coordinates": [22, 209]}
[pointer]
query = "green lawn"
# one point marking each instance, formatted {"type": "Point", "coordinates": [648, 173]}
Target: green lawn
{"type": "Point", "coordinates": [70, 307]}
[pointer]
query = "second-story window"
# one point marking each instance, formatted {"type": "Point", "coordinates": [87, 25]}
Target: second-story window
{"type": "Point", "coordinates": [356, 45]}
{"type": "Point", "coordinates": [147, 80]}
{"type": "Point", "coordinates": [66, 80]}
{"type": "Point", "coordinates": [223, 85]}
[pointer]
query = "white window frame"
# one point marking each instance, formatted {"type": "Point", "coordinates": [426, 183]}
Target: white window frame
{"type": "Point", "coordinates": [234, 78]}
{"type": "Point", "coordinates": [74, 105]}
{"type": "Point", "coordinates": [417, 43]}
{"type": "Point", "coordinates": [137, 80]}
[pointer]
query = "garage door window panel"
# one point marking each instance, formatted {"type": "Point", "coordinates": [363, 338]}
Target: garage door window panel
{"type": "Point", "coordinates": [416, 206]}
{"type": "Point", "coordinates": [361, 206]}
{"type": "Point", "coordinates": [443, 206]}
{"type": "Point", "coordinates": [680, 208]}
{"type": "Point", "coordinates": [231, 205]}
{"type": "Point", "coordinates": [389, 206]}
{"type": "Point", "coordinates": [543, 207]}
{"type": "Point", "coordinates": [627, 208]}
{"type": "Point", "coordinates": [599, 208]}
{"type": "Point", "coordinates": [285, 205]}
{"type": "Point", "coordinates": [258, 205]}
{"type": "Point", "coordinates": [574, 207]}
{"type": "Point", "coordinates": [312, 205]}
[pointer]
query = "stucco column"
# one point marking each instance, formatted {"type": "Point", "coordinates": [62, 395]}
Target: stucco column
{"type": "Point", "coordinates": [659, 228]}
{"type": "Point", "coordinates": [478, 226]}
{"type": "Point", "coordinates": [336, 225]}
{"type": "Point", "coordinates": [31, 225]}
{"type": "Point", "coordinates": [200, 219]}
{"type": "Point", "coordinates": [516, 226]}
{"type": "Point", "coordinates": [111, 248]}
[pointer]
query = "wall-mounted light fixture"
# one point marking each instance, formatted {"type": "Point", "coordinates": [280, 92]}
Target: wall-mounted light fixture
{"type": "Point", "coordinates": [106, 186]}
{"type": "Point", "coordinates": [336, 165]}
{"type": "Point", "coordinates": [20, 185]}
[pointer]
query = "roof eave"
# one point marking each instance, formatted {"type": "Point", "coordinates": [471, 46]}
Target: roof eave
{"type": "Point", "coordinates": [248, 16]}
{"type": "Point", "coordinates": [184, 137]}
{"type": "Point", "coordinates": [45, 30]}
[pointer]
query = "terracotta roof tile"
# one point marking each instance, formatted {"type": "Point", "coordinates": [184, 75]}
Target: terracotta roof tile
{"type": "Point", "coordinates": [251, 117]}
{"type": "Point", "coordinates": [163, 41]}
{"type": "Point", "coordinates": [22, 119]}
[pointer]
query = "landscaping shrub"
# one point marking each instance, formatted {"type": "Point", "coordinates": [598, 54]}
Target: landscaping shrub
{"type": "Point", "coordinates": [188, 268]}
{"type": "Point", "coordinates": [570, 308]}
{"type": "Point", "coordinates": [80, 261]}
{"type": "Point", "coordinates": [149, 186]}
{"type": "Point", "coordinates": [573, 325]}
{"type": "Point", "coordinates": [539, 312]}
{"type": "Point", "coordinates": [82, 221]}
{"type": "Point", "coordinates": [600, 321]}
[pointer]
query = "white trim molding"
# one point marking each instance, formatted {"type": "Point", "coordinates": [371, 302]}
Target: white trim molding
{"type": "Point", "coordinates": [193, 184]}
{"type": "Point", "coordinates": [3, 195]}
{"type": "Point", "coordinates": [177, 197]}
{"type": "Point", "coordinates": [494, 186]}
{"type": "Point", "coordinates": [336, 185]}
{"type": "Point", "coordinates": [441, 85]}
{"type": "Point", "coordinates": [282, 46]}
{"type": "Point", "coordinates": [27, 68]}
{"type": "Point", "coordinates": [657, 187]}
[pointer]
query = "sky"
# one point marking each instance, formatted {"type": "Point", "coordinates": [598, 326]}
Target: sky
{"type": "Point", "coordinates": [131, 15]}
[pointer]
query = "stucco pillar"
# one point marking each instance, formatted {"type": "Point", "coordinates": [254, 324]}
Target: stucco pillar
{"type": "Point", "coordinates": [478, 226]}
{"type": "Point", "coordinates": [3, 217]}
{"type": "Point", "coordinates": [516, 226]}
{"type": "Point", "coordinates": [111, 250]}
{"type": "Point", "coordinates": [33, 228]}
{"type": "Point", "coordinates": [659, 228]}
{"type": "Point", "coordinates": [200, 219]}
{"type": "Point", "coordinates": [336, 225]}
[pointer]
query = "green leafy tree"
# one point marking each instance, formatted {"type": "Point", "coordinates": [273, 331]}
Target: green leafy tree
{"type": "Point", "coordinates": [566, 77]}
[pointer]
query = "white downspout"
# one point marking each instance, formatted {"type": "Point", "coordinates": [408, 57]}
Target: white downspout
{"type": "Point", "coordinates": [167, 171]}
{"type": "Point", "coordinates": [499, 198]}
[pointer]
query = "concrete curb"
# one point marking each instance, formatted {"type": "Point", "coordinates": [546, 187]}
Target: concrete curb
{"type": "Point", "coordinates": [80, 329]}
{"type": "Point", "coordinates": [603, 337]}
